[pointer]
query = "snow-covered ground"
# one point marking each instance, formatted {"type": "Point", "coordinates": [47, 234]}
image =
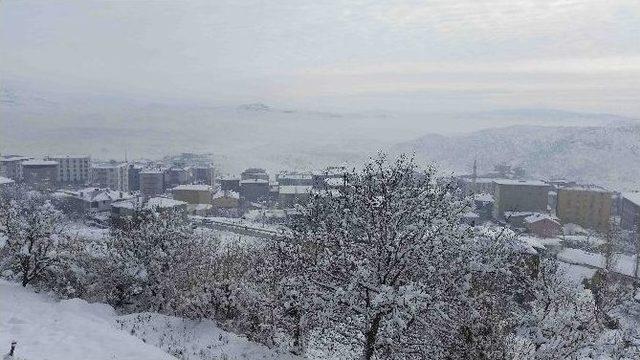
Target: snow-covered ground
{"type": "Point", "coordinates": [623, 264]}
{"type": "Point", "coordinates": [194, 340]}
{"type": "Point", "coordinates": [70, 329]}
{"type": "Point", "coordinates": [48, 329]}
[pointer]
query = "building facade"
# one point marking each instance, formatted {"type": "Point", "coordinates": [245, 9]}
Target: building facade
{"type": "Point", "coordinates": [587, 206]}
{"type": "Point", "coordinates": [112, 176]}
{"type": "Point", "coordinates": [40, 174]}
{"type": "Point", "coordinates": [72, 169]}
{"type": "Point", "coordinates": [193, 194]}
{"type": "Point", "coordinates": [152, 182]}
{"type": "Point", "coordinates": [630, 211]}
{"type": "Point", "coordinates": [520, 196]}
{"type": "Point", "coordinates": [203, 174]}
{"type": "Point", "coordinates": [134, 177]}
{"type": "Point", "coordinates": [254, 173]}
{"type": "Point", "coordinates": [255, 190]}
{"type": "Point", "coordinates": [294, 178]}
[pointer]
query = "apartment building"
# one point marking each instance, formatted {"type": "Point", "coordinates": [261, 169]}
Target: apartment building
{"type": "Point", "coordinates": [152, 182]}
{"type": "Point", "coordinates": [114, 176]}
{"type": "Point", "coordinates": [72, 169]}
{"type": "Point", "coordinates": [520, 196]}
{"type": "Point", "coordinates": [585, 205]}
{"type": "Point", "coordinates": [40, 174]}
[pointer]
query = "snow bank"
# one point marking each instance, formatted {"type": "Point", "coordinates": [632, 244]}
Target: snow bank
{"type": "Point", "coordinates": [47, 329]}
{"type": "Point", "coordinates": [72, 329]}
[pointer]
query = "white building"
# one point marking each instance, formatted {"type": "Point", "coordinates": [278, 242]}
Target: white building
{"type": "Point", "coordinates": [72, 169]}
{"type": "Point", "coordinates": [112, 176]}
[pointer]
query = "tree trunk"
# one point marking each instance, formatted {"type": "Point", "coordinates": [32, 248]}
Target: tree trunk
{"type": "Point", "coordinates": [370, 338]}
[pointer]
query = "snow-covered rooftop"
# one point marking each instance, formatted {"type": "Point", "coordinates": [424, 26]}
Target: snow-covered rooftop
{"type": "Point", "coordinates": [594, 188]}
{"type": "Point", "coordinates": [226, 193]}
{"type": "Point", "coordinates": [539, 216]}
{"type": "Point", "coordinates": [520, 182]}
{"type": "Point", "coordinates": [517, 213]}
{"type": "Point", "coordinates": [254, 181]}
{"type": "Point", "coordinates": [295, 189]}
{"type": "Point", "coordinates": [192, 188]}
{"type": "Point", "coordinates": [106, 166]}
{"type": "Point", "coordinates": [98, 194]}
{"type": "Point", "coordinates": [39, 163]}
{"type": "Point", "coordinates": [4, 180]}
{"type": "Point", "coordinates": [68, 156]}
{"type": "Point", "coordinates": [295, 176]}
{"type": "Point", "coordinates": [483, 197]}
{"type": "Point", "coordinates": [15, 158]}
{"type": "Point", "coordinates": [162, 202]}
{"type": "Point", "coordinates": [153, 203]}
{"type": "Point", "coordinates": [634, 197]}
{"type": "Point", "coordinates": [337, 181]}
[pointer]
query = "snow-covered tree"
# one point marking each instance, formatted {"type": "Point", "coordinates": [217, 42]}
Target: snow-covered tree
{"type": "Point", "coordinates": [388, 258]}
{"type": "Point", "coordinates": [35, 241]}
{"type": "Point", "coordinates": [155, 261]}
{"type": "Point", "coordinates": [561, 321]}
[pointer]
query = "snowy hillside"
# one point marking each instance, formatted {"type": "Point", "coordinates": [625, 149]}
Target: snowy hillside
{"type": "Point", "coordinates": [47, 329]}
{"type": "Point", "coordinates": [608, 156]}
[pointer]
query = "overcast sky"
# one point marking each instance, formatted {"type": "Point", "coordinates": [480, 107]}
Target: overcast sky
{"type": "Point", "coordinates": [425, 55]}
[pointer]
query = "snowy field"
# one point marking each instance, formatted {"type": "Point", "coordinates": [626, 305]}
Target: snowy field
{"type": "Point", "coordinates": [48, 329]}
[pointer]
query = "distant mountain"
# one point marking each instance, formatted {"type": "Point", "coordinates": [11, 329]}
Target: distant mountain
{"type": "Point", "coordinates": [35, 120]}
{"type": "Point", "coordinates": [605, 155]}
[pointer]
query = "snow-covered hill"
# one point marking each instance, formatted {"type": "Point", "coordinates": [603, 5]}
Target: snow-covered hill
{"type": "Point", "coordinates": [38, 121]}
{"type": "Point", "coordinates": [47, 329]}
{"type": "Point", "coordinates": [605, 155]}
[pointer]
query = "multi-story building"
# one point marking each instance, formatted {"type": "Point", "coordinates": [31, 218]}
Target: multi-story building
{"type": "Point", "coordinates": [72, 169]}
{"type": "Point", "coordinates": [254, 173]}
{"type": "Point", "coordinates": [152, 182]}
{"type": "Point", "coordinates": [203, 174]}
{"type": "Point", "coordinates": [134, 177]}
{"type": "Point", "coordinates": [587, 206]}
{"type": "Point", "coordinates": [294, 178]}
{"type": "Point", "coordinates": [114, 176]}
{"type": "Point", "coordinates": [11, 166]}
{"type": "Point", "coordinates": [179, 176]}
{"type": "Point", "coordinates": [255, 190]}
{"type": "Point", "coordinates": [229, 184]}
{"type": "Point", "coordinates": [480, 185]}
{"type": "Point", "coordinates": [193, 194]}
{"type": "Point", "coordinates": [40, 174]}
{"type": "Point", "coordinates": [630, 211]}
{"type": "Point", "coordinates": [519, 196]}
